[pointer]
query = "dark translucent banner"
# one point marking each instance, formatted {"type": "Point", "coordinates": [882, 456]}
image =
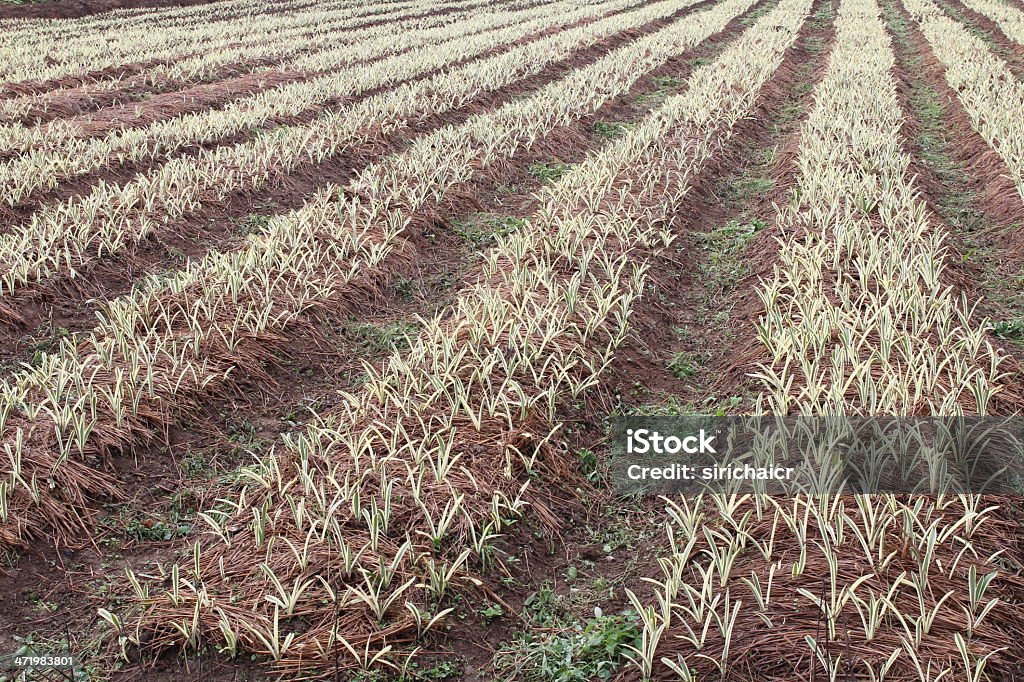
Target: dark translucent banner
{"type": "Point", "coordinates": [817, 455]}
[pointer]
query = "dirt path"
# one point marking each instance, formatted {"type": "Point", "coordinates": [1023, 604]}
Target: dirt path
{"type": "Point", "coordinates": [72, 9]}
{"type": "Point", "coordinates": [697, 323]}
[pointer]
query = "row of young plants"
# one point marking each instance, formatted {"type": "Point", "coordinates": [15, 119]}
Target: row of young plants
{"type": "Point", "coordinates": [59, 153]}
{"type": "Point", "coordinates": [857, 320]}
{"type": "Point", "coordinates": [62, 238]}
{"type": "Point", "coordinates": [178, 336]}
{"type": "Point", "coordinates": [267, 53]}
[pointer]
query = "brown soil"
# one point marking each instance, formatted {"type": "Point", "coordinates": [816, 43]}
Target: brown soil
{"type": "Point", "coordinates": [71, 9]}
{"type": "Point", "coordinates": [133, 106]}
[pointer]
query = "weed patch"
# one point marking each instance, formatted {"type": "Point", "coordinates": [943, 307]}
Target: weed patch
{"type": "Point", "coordinates": [548, 172]}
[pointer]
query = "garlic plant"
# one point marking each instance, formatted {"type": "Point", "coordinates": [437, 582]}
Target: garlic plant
{"type": "Point", "coordinates": [990, 94]}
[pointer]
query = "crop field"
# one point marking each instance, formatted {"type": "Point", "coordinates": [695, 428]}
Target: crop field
{"type": "Point", "coordinates": [315, 318]}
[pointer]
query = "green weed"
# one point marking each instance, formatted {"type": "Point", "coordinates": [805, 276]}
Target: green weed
{"type": "Point", "coordinates": [254, 223]}
{"type": "Point", "coordinates": [682, 366]}
{"type": "Point", "coordinates": [589, 650]}
{"type": "Point", "coordinates": [483, 229]}
{"type": "Point", "coordinates": [405, 288]}
{"type": "Point", "coordinates": [666, 82]}
{"type": "Point", "coordinates": [1009, 330]}
{"type": "Point", "coordinates": [377, 339]}
{"type": "Point", "coordinates": [548, 172]}
{"type": "Point", "coordinates": [611, 130]}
